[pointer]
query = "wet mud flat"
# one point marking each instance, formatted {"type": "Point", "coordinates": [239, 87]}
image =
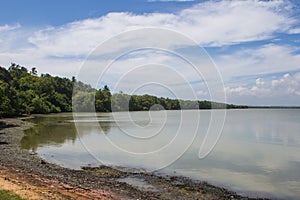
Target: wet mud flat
{"type": "Point", "coordinates": [49, 181]}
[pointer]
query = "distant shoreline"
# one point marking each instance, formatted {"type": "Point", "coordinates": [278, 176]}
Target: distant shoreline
{"type": "Point", "coordinates": [273, 107]}
{"type": "Point", "coordinates": [249, 108]}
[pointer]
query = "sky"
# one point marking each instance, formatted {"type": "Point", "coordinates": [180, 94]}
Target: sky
{"type": "Point", "coordinates": [241, 52]}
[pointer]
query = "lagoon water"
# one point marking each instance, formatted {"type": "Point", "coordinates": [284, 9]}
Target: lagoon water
{"type": "Point", "coordinates": [257, 154]}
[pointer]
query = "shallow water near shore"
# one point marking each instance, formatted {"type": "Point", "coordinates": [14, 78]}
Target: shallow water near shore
{"type": "Point", "coordinates": [257, 154]}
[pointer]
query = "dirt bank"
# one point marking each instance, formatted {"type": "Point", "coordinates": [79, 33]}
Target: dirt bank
{"type": "Point", "coordinates": [31, 177]}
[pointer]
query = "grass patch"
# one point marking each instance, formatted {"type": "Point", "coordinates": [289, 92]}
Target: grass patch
{"type": "Point", "coordinates": [7, 195]}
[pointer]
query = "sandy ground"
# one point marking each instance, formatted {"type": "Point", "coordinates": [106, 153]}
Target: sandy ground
{"type": "Point", "coordinates": [19, 184]}
{"type": "Point", "coordinates": [12, 183]}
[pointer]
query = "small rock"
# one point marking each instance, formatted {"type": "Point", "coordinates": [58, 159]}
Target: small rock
{"type": "Point", "coordinates": [67, 187]}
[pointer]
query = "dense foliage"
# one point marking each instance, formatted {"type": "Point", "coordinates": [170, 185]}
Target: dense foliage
{"type": "Point", "coordinates": [24, 92]}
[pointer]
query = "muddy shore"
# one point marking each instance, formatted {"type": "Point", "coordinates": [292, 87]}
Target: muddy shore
{"type": "Point", "coordinates": [31, 177]}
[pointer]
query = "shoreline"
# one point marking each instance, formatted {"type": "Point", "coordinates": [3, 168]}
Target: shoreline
{"type": "Point", "coordinates": [38, 179]}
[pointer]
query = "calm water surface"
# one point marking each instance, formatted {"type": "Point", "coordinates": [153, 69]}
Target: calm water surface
{"type": "Point", "coordinates": [258, 153]}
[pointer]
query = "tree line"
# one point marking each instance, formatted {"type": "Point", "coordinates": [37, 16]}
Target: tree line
{"type": "Point", "coordinates": [22, 91]}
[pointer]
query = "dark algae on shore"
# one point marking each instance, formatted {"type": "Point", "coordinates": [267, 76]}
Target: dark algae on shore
{"type": "Point", "coordinates": [101, 182]}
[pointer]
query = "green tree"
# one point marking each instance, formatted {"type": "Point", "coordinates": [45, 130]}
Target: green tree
{"type": "Point", "coordinates": [83, 102]}
{"type": "Point", "coordinates": [5, 75]}
{"type": "Point", "coordinates": [120, 102]}
{"type": "Point", "coordinates": [8, 100]}
{"type": "Point", "coordinates": [25, 101]}
{"type": "Point", "coordinates": [103, 100]}
{"type": "Point", "coordinates": [40, 105]}
{"type": "Point", "coordinates": [17, 72]}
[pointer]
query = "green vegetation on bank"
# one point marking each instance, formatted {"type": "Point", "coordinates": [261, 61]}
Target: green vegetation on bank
{"type": "Point", "coordinates": [7, 195]}
{"type": "Point", "coordinates": [22, 91]}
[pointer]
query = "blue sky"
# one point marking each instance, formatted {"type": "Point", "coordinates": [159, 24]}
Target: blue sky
{"type": "Point", "coordinates": [255, 45]}
{"type": "Point", "coordinates": [56, 12]}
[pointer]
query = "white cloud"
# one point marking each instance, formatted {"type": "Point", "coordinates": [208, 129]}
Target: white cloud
{"type": "Point", "coordinates": [212, 23]}
{"type": "Point", "coordinates": [240, 90]}
{"type": "Point", "coordinates": [62, 50]}
{"type": "Point", "coordinates": [9, 37]}
{"type": "Point", "coordinates": [266, 59]}
{"type": "Point", "coordinates": [166, 74]}
{"type": "Point", "coordinates": [7, 27]}
{"type": "Point", "coordinates": [294, 31]}
{"type": "Point", "coordinates": [259, 81]}
{"type": "Point", "coordinates": [286, 88]}
{"type": "Point", "coordinates": [288, 84]}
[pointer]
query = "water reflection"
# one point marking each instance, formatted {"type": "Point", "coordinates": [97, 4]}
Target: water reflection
{"type": "Point", "coordinates": [278, 127]}
{"type": "Point", "coordinates": [257, 155]}
{"type": "Point", "coordinates": [55, 130]}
